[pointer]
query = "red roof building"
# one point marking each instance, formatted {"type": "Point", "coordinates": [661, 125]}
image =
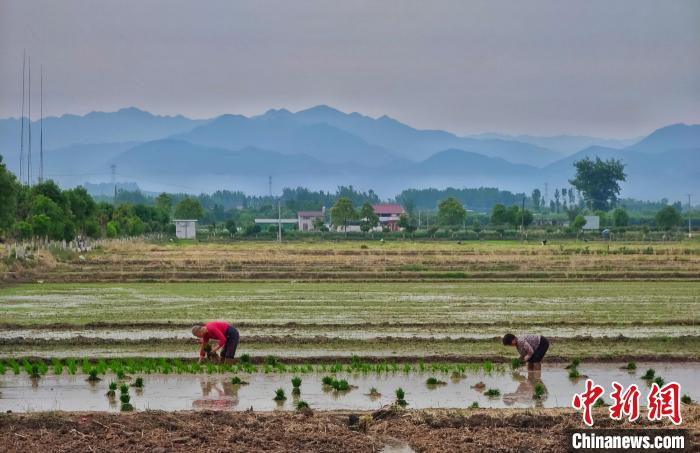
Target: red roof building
{"type": "Point", "coordinates": [389, 214]}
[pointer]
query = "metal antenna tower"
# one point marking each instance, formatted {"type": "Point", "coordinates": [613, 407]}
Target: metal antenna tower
{"type": "Point", "coordinates": [41, 125]}
{"type": "Point", "coordinates": [29, 108]}
{"type": "Point", "coordinates": [21, 118]}
{"type": "Point", "coordinates": [113, 170]}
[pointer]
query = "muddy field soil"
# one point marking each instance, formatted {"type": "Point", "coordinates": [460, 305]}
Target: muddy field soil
{"type": "Point", "coordinates": [390, 431]}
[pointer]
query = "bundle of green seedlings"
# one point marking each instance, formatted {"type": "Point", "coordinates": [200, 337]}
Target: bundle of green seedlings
{"type": "Point", "coordinates": [125, 398]}
{"type": "Point", "coordinates": [374, 393]}
{"type": "Point", "coordinates": [302, 406]}
{"type": "Point", "coordinates": [337, 385]}
{"type": "Point", "coordinates": [434, 382]}
{"type": "Point", "coordinates": [296, 384]}
{"type": "Point", "coordinates": [686, 399]}
{"type": "Point", "coordinates": [573, 369]}
{"type": "Point", "coordinates": [279, 395]}
{"type": "Point", "coordinates": [649, 375]}
{"type": "Point", "coordinates": [92, 375]}
{"type": "Point", "coordinates": [631, 367]}
{"type": "Point", "coordinates": [492, 393]}
{"type": "Point", "coordinates": [238, 381]}
{"type": "Point", "coordinates": [539, 391]}
{"type": "Point", "coordinates": [112, 392]}
{"type": "Point", "coordinates": [401, 397]}
{"type": "Point", "coordinates": [138, 383]}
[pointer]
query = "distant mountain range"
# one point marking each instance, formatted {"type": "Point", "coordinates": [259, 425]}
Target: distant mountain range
{"type": "Point", "coordinates": [322, 148]}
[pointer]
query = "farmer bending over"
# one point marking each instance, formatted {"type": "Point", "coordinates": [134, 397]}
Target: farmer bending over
{"type": "Point", "coordinates": [225, 335]}
{"type": "Point", "coordinates": [532, 348]}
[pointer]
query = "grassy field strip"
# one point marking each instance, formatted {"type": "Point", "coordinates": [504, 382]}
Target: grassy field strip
{"type": "Point", "coordinates": [351, 303]}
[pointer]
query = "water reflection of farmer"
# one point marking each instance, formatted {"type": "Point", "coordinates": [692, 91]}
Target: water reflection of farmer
{"type": "Point", "coordinates": [217, 396]}
{"type": "Point", "coordinates": [524, 394]}
{"type": "Point", "coordinates": [223, 333]}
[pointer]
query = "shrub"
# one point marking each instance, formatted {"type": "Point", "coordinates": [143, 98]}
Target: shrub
{"type": "Point", "coordinates": [279, 395]}
{"type": "Point", "coordinates": [492, 393]}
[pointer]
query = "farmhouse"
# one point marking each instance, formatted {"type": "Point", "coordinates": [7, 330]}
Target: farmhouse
{"type": "Point", "coordinates": [185, 229]}
{"type": "Point", "coordinates": [306, 219]}
{"type": "Point", "coordinates": [389, 214]}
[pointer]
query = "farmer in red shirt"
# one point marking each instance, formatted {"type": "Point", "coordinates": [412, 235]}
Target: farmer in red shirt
{"type": "Point", "coordinates": [223, 333]}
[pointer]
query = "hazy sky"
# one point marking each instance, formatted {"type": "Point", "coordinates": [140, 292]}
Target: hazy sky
{"type": "Point", "coordinates": [608, 68]}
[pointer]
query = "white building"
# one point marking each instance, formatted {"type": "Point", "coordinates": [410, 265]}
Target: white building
{"type": "Point", "coordinates": [306, 219]}
{"type": "Point", "coordinates": [185, 229]}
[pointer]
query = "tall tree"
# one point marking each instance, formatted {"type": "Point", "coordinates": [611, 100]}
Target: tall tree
{"type": "Point", "coordinates": [668, 218]}
{"type": "Point", "coordinates": [342, 213]}
{"type": "Point", "coordinates": [368, 218]}
{"type": "Point", "coordinates": [8, 198]}
{"type": "Point", "coordinates": [620, 217]}
{"type": "Point", "coordinates": [499, 215]}
{"type": "Point", "coordinates": [536, 198]}
{"type": "Point", "coordinates": [164, 202]}
{"type": "Point", "coordinates": [189, 208]}
{"type": "Point", "coordinates": [557, 203]}
{"type": "Point", "coordinates": [451, 214]}
{"type": "Point", "coordinates": [599, 181]}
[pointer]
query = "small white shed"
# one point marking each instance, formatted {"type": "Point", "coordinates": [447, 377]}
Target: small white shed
{"type": "Point", "coordinates": [185, 229]}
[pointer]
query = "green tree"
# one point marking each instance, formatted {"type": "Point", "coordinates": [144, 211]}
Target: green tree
{"type": "Point", "coordinates": [231, 226]}
{"type": "Point", "coordinates": [164, 202]}
{"type": "Point", "coordinates": [578, 223]}
{"type": "Point", "coordinates": [499, 215]}
{"type": "Point", "coordinates": [9, 189]}
{"type": "Point", "coordinates": [451, 214]}
{"type": "Point", "coordinates": [342, 213]}
{"type": "Point", "coordinates": [536, 199]}
{"type": "Point", "coordinates": [408, 223]}
{"type": "Point", "coordinates": [598, 181]}
{"type": "Point", "coordinates": [318, 223]}
{"type": "Point", "coordinates": [668, 218]}
{"type": "Point", "coordinates": [369, 219]}
{"type": "Point", "coordinates": [620, 217]}
{"type": "Point", "coordinates": [189, 208]}
{"type": "Point", "coordinates": [112, 229]}
{"type": "Point", "coordinates": [22, 230]}
{"type": "Point", "coordinates": [82, 206]}
{"type": "Point", "coordinates": [50, 216]}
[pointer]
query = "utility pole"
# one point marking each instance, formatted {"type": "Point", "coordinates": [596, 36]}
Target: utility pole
{"type": "Point", "coordinates": [269, 185]}
{"type": "Point", "coordinates": [279, 220]}
{"type": "Point", "coordinates": [522, 221]}
{"type": "Point", "coordinates": [113, 169]}
{"type": "Point", "coordinates": [690, 233]}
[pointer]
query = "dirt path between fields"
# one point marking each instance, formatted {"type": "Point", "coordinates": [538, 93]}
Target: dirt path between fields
{"type": "Point", "coordinates": [423, 431]}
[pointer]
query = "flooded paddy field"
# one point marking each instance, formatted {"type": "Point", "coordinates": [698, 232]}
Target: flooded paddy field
{"type": "Point", "coordinates": [21, 393]}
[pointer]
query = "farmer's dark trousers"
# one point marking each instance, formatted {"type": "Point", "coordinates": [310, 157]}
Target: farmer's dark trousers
{"type": "Point", "coordinates": [231, 345]}
{"type": "Point", "coordinates": [541, 350]}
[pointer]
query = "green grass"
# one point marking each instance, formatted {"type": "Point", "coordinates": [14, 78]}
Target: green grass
{"type": "Point", "coordinates": [620, 303]}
